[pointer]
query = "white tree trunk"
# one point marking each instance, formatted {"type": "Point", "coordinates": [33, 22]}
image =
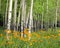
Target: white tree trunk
{"type": "Point", "coordinates": [27, 18]}
{"type": "Point", "coordinates": [25, 15]}
{"type": "Point", "coordinates": [22, 17]}
{"type": "Point", "coordinates": [15, 13]}
{"type": "Point", "coordinates": [19, 15]}
{"type": "Point", "coordinates": [9, 17]}
{"type": "Point", "coordinates": [56, 14]}
{"type": "Point", "coordinates": [31, 18]}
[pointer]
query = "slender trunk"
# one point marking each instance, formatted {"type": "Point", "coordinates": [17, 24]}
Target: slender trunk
{"type": "Point", "coordinates": [27, 18]}
{"type": "Point", "coordinates": [15, 13]}
{"type": "Point", "coordinates": [18, 20]}
{"type": "Point", "coordinates": [56, 14]}
{"type": "Point", "coordinates": [31, 18]}
{"type": "Point", "coordinates": [19, 17]}
{"type": "Point", "coordinates": [42, 15]}
{"type": "Point", "coordinates": [22, 18]}
{"type": "Point", "coordinates": [9, 17]}
{"type": "Point", "coordinates": [6, 14]}
{"type": "Point", "coordinates": [25, 15]}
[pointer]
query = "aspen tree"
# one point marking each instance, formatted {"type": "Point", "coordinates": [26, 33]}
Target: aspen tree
{"type": "Point", "coordinates": [18, 20]}
{"type": "Point", "coordinates": [27, 18]}
{"type": "Point", "coordinates": [9, 17]}
{"type": "Point", "coordinates": [19, 15]}
{"type": "Point", "coordinates": [15, 13]}
{"type": "Point", "coordinates": [24, 14]}
{"type": "Point", "coordinates": [56, 14]}
{"type": "Point", "coordinates": [31, 18]}
{"type": "Point", "coordinates": [22, 17]}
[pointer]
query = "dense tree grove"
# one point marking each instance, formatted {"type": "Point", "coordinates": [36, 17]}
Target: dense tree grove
{"type": "Point", "coordinates": [29, 23]}
{"type": "Point", "coordinates": [45, 14]}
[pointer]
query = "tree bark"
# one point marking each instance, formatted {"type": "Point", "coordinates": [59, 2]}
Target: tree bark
{"type": "Point", "coordinates": [22, 17]}
{"type": "Point", "coordinates": [31, 19]}
{"type": "Point", "coordinates": [15, 14]}
{"type": "Point", "coordinates": [9, 17]}
{"type": "Point", "coordinates": [56, 14]}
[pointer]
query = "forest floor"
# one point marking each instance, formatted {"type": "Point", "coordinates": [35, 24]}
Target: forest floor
{"type": "Point", "coordinates": [39, 39]}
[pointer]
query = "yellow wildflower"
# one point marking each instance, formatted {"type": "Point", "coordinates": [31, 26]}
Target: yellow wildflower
{"type": "Point", "coordinates": [30, 44]}
{"type": "Point", "coordinates": [58, 30]}
{"type": "Point", "coordinates": [25, 31]}
{"type": "Point", "coordinates": [46, 37]}
{"type": "Point", "coordinates": [0, 35]}
{"type": "Point", "coordinates": [7, 31]}
{"type": "Point", "coordinates": [21, 38]}
{"type": "Point", "coordinates": [59, 34]}
{"type": "Point", "coordinates": [29, 35]}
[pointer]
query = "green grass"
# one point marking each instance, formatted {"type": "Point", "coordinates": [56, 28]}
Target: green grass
{"type": "Point", "coordinates": [49, 39]}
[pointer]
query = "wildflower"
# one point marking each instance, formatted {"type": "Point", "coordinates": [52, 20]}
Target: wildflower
{"type": "Point", "coordinates": [15, 34]}
{"type": "Point", "coordinates": [21, 38]}
{"type": "Point", "coordinates": [58, 30]}
{"type": "Point", "coordinates": [29, 35]}
{"type": "Point", "coordinates": [26, 31]}
{"type": "Point", "coordinates": [0, 35]}
{"type": "Point", "coordinates": [46, 37]}
{"type": "Point", "coordinates": [59, 34]}
{"type": "Point", "coordinates": [7, 31]}
{"type": "Point", "coordinates": [30, 44]}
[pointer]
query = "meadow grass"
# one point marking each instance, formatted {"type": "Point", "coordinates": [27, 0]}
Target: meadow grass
{"type": "Point", "coordinates": [39, 39]}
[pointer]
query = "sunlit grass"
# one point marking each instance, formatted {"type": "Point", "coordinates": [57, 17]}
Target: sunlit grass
{"type": "Point", "coordinates": [40, 39]}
